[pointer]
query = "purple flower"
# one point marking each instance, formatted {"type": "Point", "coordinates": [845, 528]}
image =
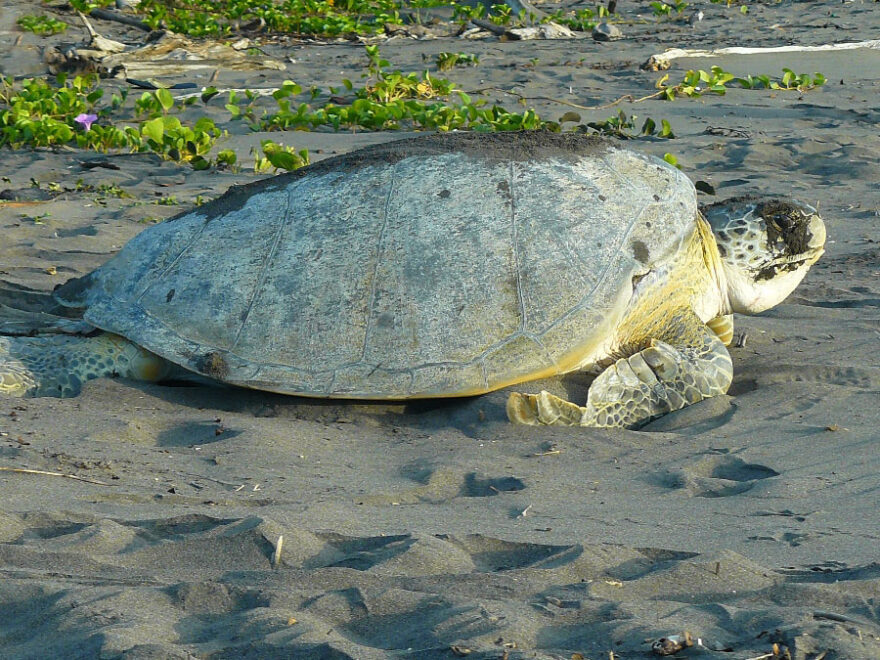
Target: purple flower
{"type": "Point", "coordinates": [85, 120]}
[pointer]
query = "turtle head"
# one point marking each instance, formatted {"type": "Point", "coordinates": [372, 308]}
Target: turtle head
{"type": "Point", "coordinates": [766, 248]}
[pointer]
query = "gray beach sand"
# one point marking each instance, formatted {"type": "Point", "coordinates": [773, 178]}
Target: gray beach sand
{"type": "Point", "coordinates": [427, 531]}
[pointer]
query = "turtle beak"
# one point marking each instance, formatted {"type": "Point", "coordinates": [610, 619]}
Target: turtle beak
{"type": "Point", "coordinates": [816, 244]}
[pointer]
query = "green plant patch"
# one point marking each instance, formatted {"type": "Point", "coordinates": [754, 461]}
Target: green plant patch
{"type": "Point", "coordinates": [501, 14]}
{"type": "Point", "coordinates": [390, 100]}
{"type": "Point", "coordinates": [74, 111]}
{"type": "Point", "coordinates": [790, 80]}
{"type": "Point", "coordinates": [661, 9]}
{"type": "Point", "coordinates": [715, 81]}
{"type": "Point", "coordinates": [279, 157]}
{"type": "Point", "coordinates": [464, 13]}
{"type": "Point", "coordinates": [169, 138]}
{"type": "Point", "coordinates": [697, 83]}
{"type": "Point", "coordinates": [43, 25]}
{"type": "Point", "coordinates": [447, 61]}
{"type": "Point", "coordinates": [85, 6]}
{"type": "Point", "coordinates": [154, 104]}
{"type": "Point", "coordinates": [672, 160]}
{"type": "Point", "coordinates": [35, 113]}
{"type": "Point", "coordinates": [583, 20]}
{"type": "Point", "coordinates": [623, 126]}
{"type": "Point", "coordinates": [201, 18]}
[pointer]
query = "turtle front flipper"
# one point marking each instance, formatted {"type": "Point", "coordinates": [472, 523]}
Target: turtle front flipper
{"type": "Point", "coordinates": [543, 409]}
{"type": "Point", "coordinates": [691, 365]}
{"type": "Point", "coordinates": [58, 365]}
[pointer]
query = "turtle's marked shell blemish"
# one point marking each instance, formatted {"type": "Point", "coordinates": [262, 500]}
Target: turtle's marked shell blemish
{"type": "Point", "coordinates": [213, 364]}
{"type": "Point", "coordinates": [641, 252]}
{"type": "Point", "coordinates": [503, 190]}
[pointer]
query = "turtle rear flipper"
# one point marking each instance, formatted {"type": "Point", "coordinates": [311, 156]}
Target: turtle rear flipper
{"type": "Point", "coordinates": [58, 365]}
{"type": "Point", "coordinates": [634, 390]}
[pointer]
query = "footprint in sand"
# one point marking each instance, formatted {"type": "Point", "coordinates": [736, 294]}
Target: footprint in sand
{"type": "Point", "coordinates": [720, 476]}
{"type": "Point", "coordinates": [443, 484]}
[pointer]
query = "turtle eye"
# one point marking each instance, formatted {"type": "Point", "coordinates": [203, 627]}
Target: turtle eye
{"type": "Point", "coordinates": [784, 221]}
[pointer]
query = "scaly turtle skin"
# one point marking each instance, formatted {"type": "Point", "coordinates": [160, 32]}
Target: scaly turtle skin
{"type": "Point", "coordinates": [746, 256]}
{"type": "Point", "coordinates": [445, 265]}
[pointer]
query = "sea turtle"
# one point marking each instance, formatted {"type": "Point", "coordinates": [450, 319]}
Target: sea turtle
{"type": "Point", "coordinates": [441, 266]}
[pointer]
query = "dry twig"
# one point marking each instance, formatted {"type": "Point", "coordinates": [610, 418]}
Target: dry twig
{"type": "Point", "coordinates": [54, 474]}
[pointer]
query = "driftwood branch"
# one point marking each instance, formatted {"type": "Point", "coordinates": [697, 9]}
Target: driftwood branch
{"type": "Point", "coordinates": [108, 15]}
{"type": "Point", "coordinates": [660, 61]}
{"type": "Point", "coordinates": [489, 26]}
